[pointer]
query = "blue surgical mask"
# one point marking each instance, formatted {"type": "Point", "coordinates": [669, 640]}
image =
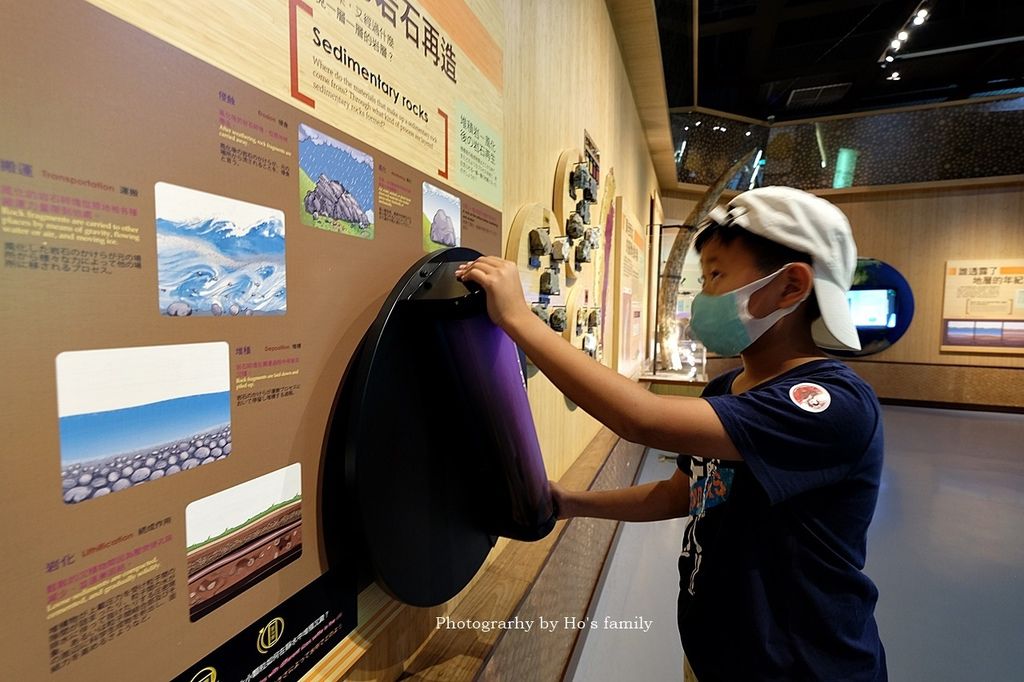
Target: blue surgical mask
{"type": "Point", "coordinates": [724, 324]}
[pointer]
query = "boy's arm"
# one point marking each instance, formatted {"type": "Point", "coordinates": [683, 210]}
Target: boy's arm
{"type": "Point", "coordinates": [654, 501]}
{"type": "Point", "coordinates": [675, 424]}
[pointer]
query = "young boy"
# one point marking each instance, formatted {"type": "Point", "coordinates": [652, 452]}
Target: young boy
{"type": "Point", "coordinates": [782, 456]}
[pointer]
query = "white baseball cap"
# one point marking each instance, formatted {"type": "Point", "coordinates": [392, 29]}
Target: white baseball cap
{"type": "Point", "coordinates": [811, 225]}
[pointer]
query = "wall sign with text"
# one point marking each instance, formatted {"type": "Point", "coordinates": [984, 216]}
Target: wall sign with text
{"type": "Point", "coordinates": [983, 306]}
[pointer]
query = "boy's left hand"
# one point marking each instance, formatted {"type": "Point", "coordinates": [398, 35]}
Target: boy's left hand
{"type": "Point", "coordinates": [562, 500]}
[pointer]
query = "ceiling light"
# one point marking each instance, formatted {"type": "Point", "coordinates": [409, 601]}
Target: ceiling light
{"type": "Point", "coordinates": [686, 127]}
{"type": "Point", "coordinates": [903, 35]}
{"type": "Point", "coordinates": [748, 133]}
{"type": "Point", "coordinates": [723, 129]}
{"type": "Point", "coordinates": [895, 76]}
{"type": "Point", "coordinates": [697, 123]}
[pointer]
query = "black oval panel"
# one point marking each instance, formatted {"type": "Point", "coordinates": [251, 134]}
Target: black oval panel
{"type": "Point", "coordinates": [439, 445]}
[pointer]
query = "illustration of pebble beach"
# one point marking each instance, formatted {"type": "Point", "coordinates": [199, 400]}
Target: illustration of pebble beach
{"type": "Point", "coordinates": [128, 416]}
{"type": "Point", "coordinates": [86, 480]}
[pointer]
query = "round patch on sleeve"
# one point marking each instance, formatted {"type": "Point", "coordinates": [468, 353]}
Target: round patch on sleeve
{"type": "Point", "coordinates": [810, 397]}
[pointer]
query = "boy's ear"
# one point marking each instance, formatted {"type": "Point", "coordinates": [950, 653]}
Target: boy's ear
{"type": "Point", "coordinates": [798, 280]}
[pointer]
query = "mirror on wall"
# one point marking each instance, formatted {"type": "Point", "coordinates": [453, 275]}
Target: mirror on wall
{"type": "Point", "coordinates": [882, 305]}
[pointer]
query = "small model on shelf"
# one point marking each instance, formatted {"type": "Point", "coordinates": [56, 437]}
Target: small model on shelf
{"type": "Point", "coordinates": [559, 250]}
{"type": "Point", "coordinates": [557, 320]}
{"type": "Point", "coordinates": [580, 178]}
{"type": "Point", "coordinates": [549, 285]}
{"type": "Point", "coordinates": [575, 227]}
{"type": "Point", "coordinates": [581, 320]}
{"type": "Point", "coordinates": [540, 241]}
{"type": "Point", "coordinates": [582, 254]}
{"type": "Point", "coordinates": [540, 245]}
{"type": "Point", "coordinates": [583, 208]}
{"type": "Point", "coordinates": [589, 344]}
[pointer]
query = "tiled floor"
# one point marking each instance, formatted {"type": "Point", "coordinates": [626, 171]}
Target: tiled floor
{"type": "Point", "coordinates": [946, 550]}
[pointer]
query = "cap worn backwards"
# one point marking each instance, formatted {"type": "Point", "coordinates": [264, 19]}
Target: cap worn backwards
{"type": "Point", "coordinates": [811, 225]}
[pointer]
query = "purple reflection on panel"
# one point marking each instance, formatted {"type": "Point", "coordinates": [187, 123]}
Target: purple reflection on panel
{"type": "Point", "coordinates": [486, 362]}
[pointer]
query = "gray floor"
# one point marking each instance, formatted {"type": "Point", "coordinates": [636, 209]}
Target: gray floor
{"type": "Point", "coordinates": [946, 550]}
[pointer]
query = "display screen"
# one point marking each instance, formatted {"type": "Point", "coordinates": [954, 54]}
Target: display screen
{"type": "Point", "coordinates": [872, 308]}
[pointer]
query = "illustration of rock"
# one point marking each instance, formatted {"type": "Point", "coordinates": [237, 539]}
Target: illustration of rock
{"type": "Point", "coordinates": [441, 229]}
{"type": "Point", "coordinates": [179, 309]}
{"type": "Point", "coordinates": [330, 199]}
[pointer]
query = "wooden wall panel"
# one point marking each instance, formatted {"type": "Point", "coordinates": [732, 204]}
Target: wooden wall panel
{"type": "Point", "coordinates": [917, 232]}
{"type": "Point", "coordinates": [677, 207]}
{"type": "Point", "coordinates": [564, 74]}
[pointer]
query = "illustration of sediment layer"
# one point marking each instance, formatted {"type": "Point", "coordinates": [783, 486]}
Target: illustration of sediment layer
{"type": "Point", "coordinates": [222, 569]}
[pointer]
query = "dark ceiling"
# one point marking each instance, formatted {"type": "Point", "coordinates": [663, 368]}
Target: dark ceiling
{"type": "Point", "coordinates": [806, 58]}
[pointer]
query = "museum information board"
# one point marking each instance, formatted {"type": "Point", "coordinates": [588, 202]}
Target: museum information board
{"type": "Point", "coordinates": [983, 306]}
{"type": "Point", "coordinates": [631, 285]}
{"type": "Point", "coordinates": [202, 207]}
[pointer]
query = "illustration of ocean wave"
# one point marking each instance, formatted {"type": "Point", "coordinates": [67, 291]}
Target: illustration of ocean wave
{"type": "Point", "coordinates": [200, 277]}
{"type": "Point", "coordinates": [268, 227]}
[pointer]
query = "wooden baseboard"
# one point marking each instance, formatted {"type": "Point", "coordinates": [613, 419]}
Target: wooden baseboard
{"type": "Point", "coordinates": [565, 586]}
{"type": "Point", "coordinates": [963, 387]}
{"type": "Point", "coordinates": [941, 405]}
{"type": "Point", "coordinates": [411, 646]}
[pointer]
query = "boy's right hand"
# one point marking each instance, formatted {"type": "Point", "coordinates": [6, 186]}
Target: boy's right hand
{"type": "Point", "coordinates": [506, 303]}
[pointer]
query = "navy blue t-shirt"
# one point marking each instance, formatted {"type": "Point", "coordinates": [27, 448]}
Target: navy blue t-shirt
{"type": "Point", "coordinates": [771, 581]}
